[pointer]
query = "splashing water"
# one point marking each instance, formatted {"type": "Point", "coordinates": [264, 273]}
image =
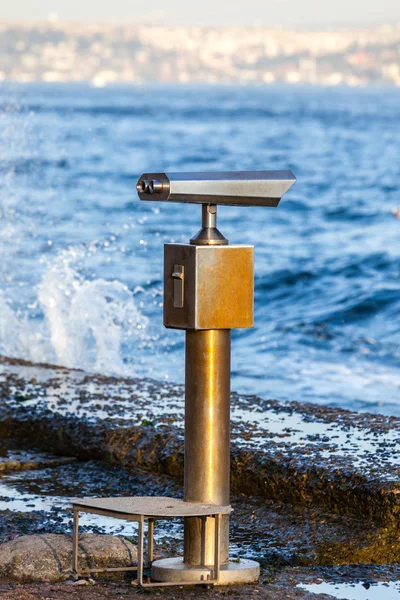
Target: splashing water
{"type": "Point", "coordinates": [86, 322]}
{"type": "Point", "coordinates": [19, 338]}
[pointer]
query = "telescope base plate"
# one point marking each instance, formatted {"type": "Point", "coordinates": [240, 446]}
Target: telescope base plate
{"type": "Point", "coordinates": [175, 570]}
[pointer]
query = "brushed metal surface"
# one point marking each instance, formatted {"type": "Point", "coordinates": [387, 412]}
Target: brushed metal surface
{"type": "Point", "coordinates": [184, 255]}
{"type": "Point", "coordinates": [216, 296]}
{"type": "Point", "coordinates": [218, 287]}
{"type": "Point", "coordinates": [150, 506]}
{"type": "Point", "coordinates": [207, 438]}
{"type": "Point", "coordinates": [175, 570]}
{"type": "Point", "coordinates": [178, 276]}
{"type": "Point", "coordinates": [209, 234]}
{"type": "Point", "coordinates": [235, 188]}
{"type": "Point", "coordinates": [224, 287]}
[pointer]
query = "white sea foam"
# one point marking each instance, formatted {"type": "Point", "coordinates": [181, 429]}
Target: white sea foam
{"type": "Point", "coordinates": [20, 337]}
{"type": "Point", "coordinates": [85, 324]}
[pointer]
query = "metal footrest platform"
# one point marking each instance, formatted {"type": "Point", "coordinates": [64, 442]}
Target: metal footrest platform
{"type": "Point", "coordinates": [150, 508]}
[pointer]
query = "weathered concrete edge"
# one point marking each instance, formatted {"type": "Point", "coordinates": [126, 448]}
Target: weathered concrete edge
{"type": "Point", "coordinates": [161, 450]}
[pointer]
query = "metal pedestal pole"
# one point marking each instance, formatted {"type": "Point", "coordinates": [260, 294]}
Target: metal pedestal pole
{"type": "Point", "coordinates": [207, 434]}
{"type": "Point", "coordinates": [207, 412]}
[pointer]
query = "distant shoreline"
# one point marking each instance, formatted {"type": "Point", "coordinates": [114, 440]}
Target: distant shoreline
{"type": "Point", "coordinates": [9, 83]}
{"type": "Point", "coordinates": [103, 54]}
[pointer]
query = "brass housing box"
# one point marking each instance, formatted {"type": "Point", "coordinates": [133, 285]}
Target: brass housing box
{"type": "Point", "coordinates": [208, 287]}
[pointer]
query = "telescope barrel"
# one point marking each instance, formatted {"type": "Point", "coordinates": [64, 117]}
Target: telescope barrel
{"type": "Point", "coordinates": [233, 188]}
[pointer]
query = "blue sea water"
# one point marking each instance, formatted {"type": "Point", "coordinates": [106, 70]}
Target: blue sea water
{"type": "Point", "coordinates": [81, 257]}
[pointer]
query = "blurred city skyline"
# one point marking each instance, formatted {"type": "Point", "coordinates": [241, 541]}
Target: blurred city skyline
{"type": "Point", "coordinates": [106, 53]}
{"type": "Point", "coordinates": [285, 13]}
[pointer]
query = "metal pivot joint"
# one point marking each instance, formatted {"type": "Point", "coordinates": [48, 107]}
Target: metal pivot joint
{"type": "Point", "coordinates": [209, 235]}
{"type": "Point", "coordinates": [209, 290]}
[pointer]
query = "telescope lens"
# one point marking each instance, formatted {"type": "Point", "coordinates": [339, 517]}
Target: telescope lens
{"type": "Point", "coordinates": [142, 186]}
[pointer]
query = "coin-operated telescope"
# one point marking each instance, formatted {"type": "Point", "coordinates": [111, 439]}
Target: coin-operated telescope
{"type": "Point", "coordinates": [209, 290]}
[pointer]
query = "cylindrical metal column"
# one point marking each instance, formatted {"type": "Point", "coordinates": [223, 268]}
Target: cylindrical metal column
{"type": "Point", "coordinates": [207, 433]}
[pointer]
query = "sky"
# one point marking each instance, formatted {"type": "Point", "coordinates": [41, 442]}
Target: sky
{"type": "Point", "coordinates": [287, 13]}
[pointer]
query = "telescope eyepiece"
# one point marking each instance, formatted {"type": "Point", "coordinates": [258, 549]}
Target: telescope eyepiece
{"type": "Point", "coordinates": [142, 186]}
{"type": "Point", "coordinates": [152, 186]}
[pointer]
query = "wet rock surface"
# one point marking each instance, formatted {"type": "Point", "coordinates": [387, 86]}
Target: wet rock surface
{"type": "Point", "coordinates": [99, 592]}
{"type": "Point", "coordinates": [48, 557]}
{"type": "Point", "coordinates": [272, 532]}
{"type": "Point", "coordinates": [313, 487]}
{"type": "Point", "coordinates": [343, 462]}
{"type": "Point", "coordinates": [19, 460]}
{"type": "Point", "coordinates": [275, 584]}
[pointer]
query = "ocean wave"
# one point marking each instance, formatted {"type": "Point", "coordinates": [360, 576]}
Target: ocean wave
{"type": "Point", "coordinates": [81, 269]}
{"type": "Point", "coordinates": [363, 306]}
{"type": "Point", "coordinates": [85, 322]}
